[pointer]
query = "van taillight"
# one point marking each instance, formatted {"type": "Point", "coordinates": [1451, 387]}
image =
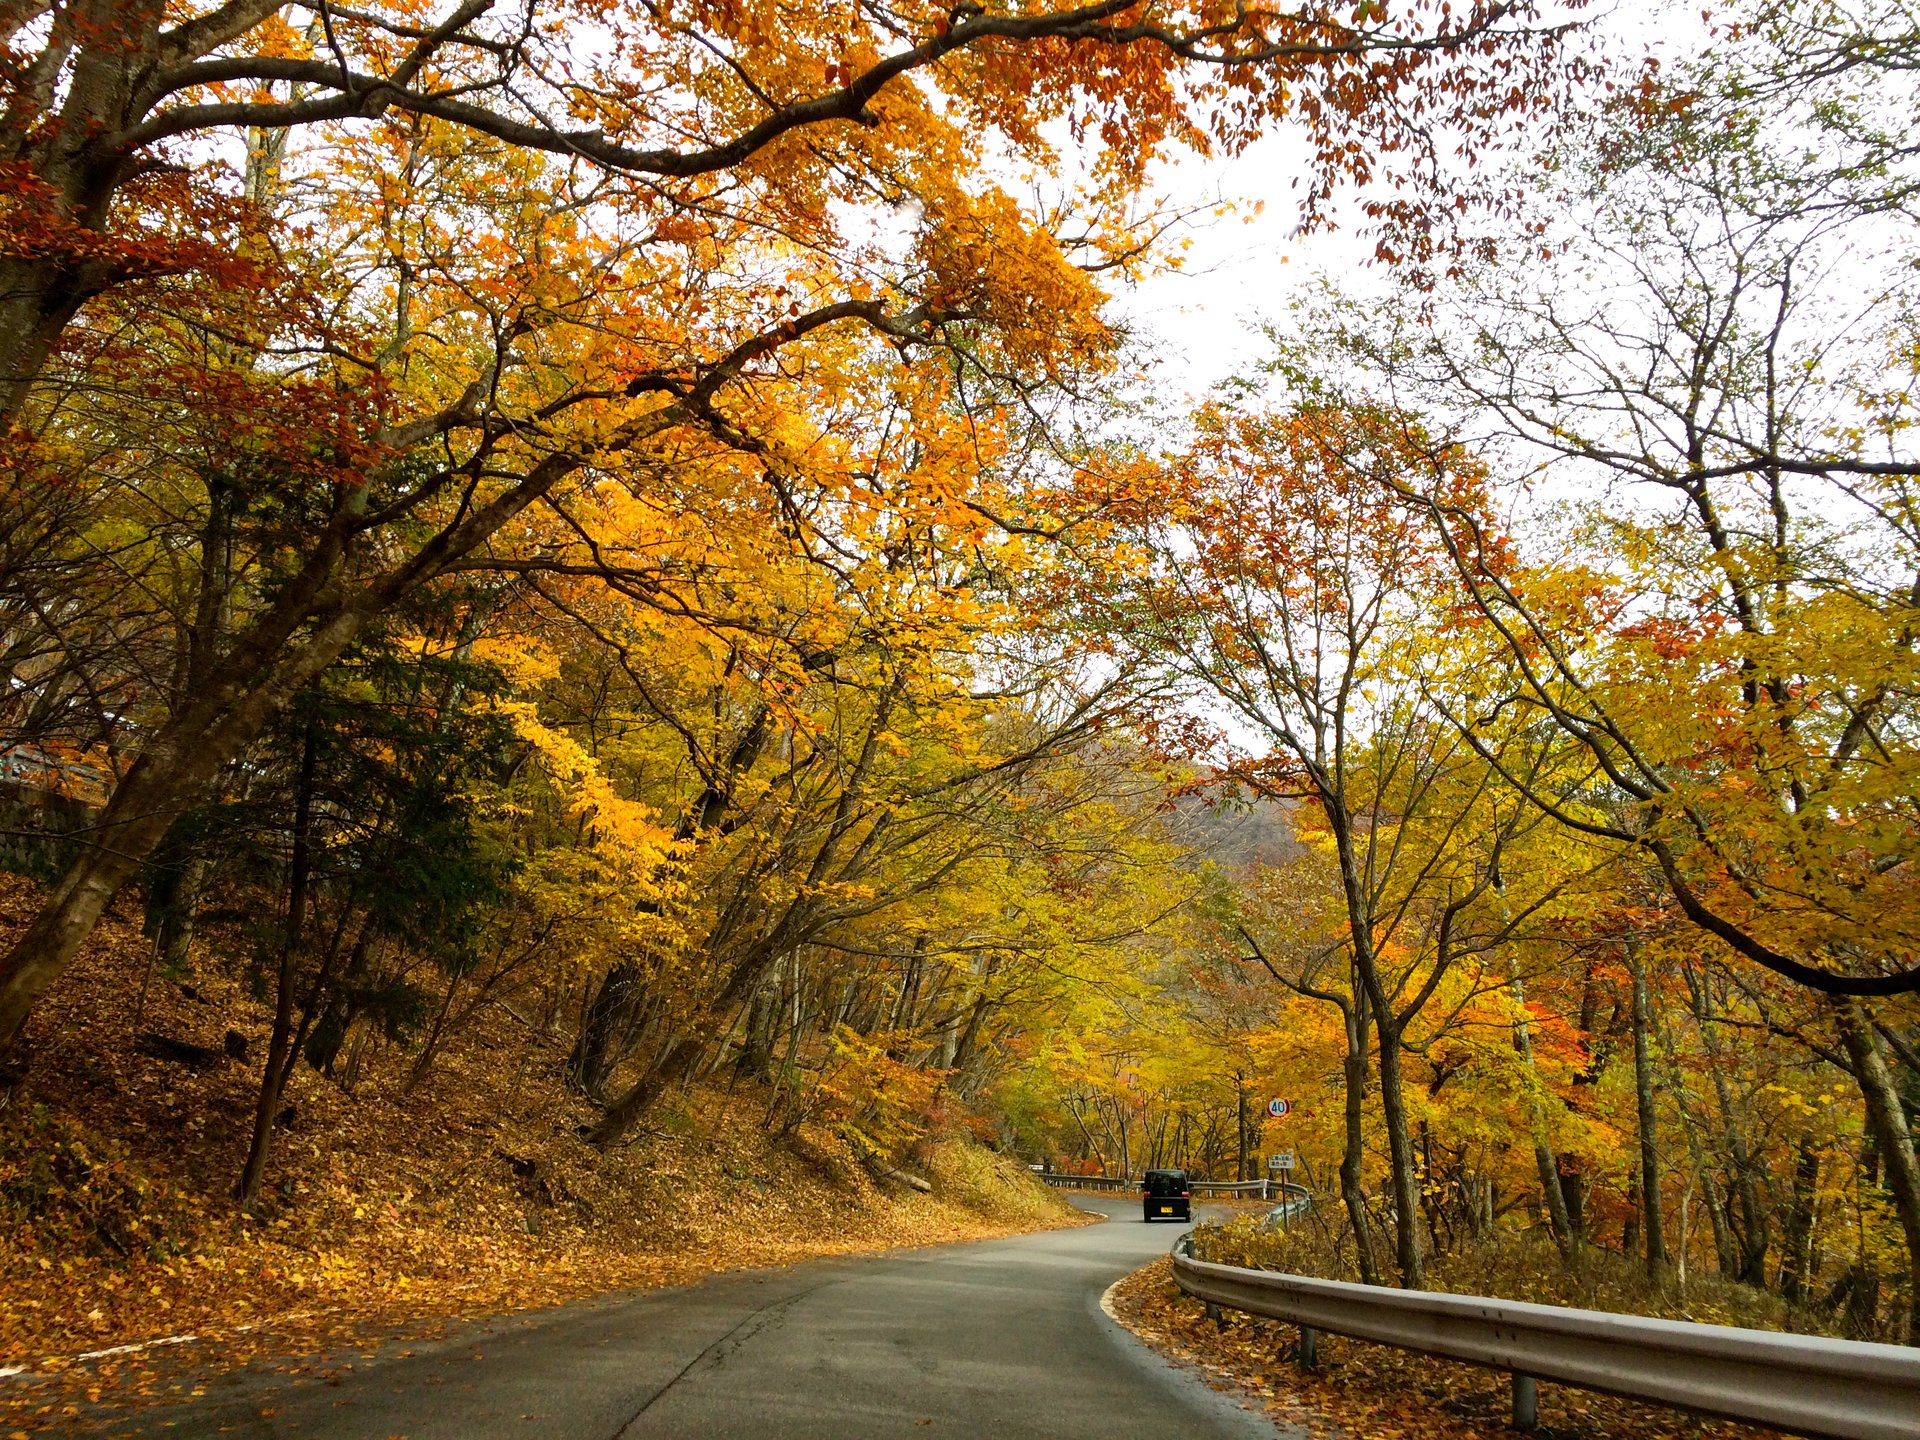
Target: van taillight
{"type": "Point", "coordinates": [1185, 1196]}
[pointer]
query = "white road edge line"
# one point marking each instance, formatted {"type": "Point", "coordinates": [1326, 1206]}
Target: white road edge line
{"type": "Point", "coordinates": [20, 1372]}
{"type": "Point", "coordinates": [135, 1349]}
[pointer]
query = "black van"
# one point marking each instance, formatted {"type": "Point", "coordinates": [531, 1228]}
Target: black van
{"type": "Point", "coordinates": [1166, 1196]}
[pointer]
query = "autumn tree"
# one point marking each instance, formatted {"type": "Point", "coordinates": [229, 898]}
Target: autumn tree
{"type": "Point", "coordinates": [1297, 596]}
{"type": "Point", "coordinates": [417, 278]}
{"type": "Point", "coordinates": [1728, 633]}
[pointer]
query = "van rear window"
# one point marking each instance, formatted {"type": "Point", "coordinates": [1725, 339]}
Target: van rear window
{"type": "Point", "coordinates": [1165, 1182]}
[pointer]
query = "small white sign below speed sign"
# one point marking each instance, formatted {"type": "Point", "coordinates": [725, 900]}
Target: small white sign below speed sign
{"type": "Point", "coordinates": [1283, 1160]}
{"type": "Point", "coordinates": [1279, 1109]}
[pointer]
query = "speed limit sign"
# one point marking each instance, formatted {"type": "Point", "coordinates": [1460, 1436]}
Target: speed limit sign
{"type": "Point", "coordinates": [1279, 1109]}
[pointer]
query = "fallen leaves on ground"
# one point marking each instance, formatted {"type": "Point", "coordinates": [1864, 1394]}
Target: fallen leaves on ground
{"type": "Point", "coordinates": [391, 1211]}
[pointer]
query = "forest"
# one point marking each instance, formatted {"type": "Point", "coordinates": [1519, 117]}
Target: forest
{"type": "Point", "coordinates": [633, 548]}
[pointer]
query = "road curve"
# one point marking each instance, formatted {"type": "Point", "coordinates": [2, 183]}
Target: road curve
{"type": "Point", "coordinates": [1004, 1338]}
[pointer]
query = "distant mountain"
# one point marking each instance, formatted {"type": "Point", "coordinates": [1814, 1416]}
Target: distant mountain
{"type": "Point", "coordinates": [1235, 834]}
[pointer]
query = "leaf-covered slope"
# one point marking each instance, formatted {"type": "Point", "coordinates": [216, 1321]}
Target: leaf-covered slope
{"type": "Point", "coordinates": [471, 1193]}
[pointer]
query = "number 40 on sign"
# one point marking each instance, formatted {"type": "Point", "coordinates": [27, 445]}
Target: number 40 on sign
{"type": "Point", "coordinates": [1279, 1109]}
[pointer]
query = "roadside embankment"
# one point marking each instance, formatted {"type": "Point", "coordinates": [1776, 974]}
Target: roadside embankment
{"type": "Point", "coordinates": [127, 1271]}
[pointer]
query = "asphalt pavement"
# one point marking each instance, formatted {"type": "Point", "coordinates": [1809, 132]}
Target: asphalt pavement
{"type": "Point", "coordinates": [1004, 1338]}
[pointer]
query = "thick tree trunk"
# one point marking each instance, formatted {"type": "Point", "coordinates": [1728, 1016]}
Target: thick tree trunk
{"type": "Point", "coordinates": [280, 1046]}
{"type": "Point", "coordinates": [65, 921]}
{"type": "Point", "coordinates": [680, 1058]}
{"type": "Point", "coordinates": [1367, 995]}
{"type": "Point", "coordinates": [340, 1010]}
{"type": "Point", "coordinates": [1751, 1236]}
{"type": "Point", "coordinates": [1240, 1125]}
{"type": "Point", "coordinates": [756, 1050]}
{"type": "Point", "coordinates": [173, 905]}
{"type": "Point", "coordinates": [1353, 1156]}
{"type": "Point", "coordinates": [40, 293]}
{"type": "Point", "coordinates": [1887, 1123]}
{"type": "Point", "coordinates": [1694, 1128]}
{"type": "Point", "coordinates": [907, 998]}
{"type": "Point", "coordinates": [970, 1033]}
{"type": "Point", "coordinates": [1546, 1165]}
{"type": "Point", "coordinates": [1858, 1291]}
{"type": "Point", "coordinates": [609, 1016]}
{"type": "Point", "coordinates": [1796, 1266]}
{"type": "Point", "coordinates": [1651, 1221]}
{"type": "Point", "coordinates": [1404, 1174]}
{"type": "Point", "coordinates": [41, 302]}
{"type": "Point", "coordinates": [1573, 1194]}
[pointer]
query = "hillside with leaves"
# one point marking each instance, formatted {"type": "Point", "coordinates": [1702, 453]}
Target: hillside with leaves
{"type": "Point", "coordinates": [395, 1206]}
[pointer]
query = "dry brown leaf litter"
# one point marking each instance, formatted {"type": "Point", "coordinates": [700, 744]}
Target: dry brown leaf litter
{"type": "Point", "coordinates": [388, 1211]}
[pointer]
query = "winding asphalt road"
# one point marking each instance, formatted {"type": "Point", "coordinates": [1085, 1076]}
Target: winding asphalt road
{"type": "Point", "coordinates": [1004, 1339]}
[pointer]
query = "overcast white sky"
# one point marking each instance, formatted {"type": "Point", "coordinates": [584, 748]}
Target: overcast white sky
{"type": "Point", "coordinates": [1238, 269]}
{"type": "Point", "coordinates": [1245, 268]}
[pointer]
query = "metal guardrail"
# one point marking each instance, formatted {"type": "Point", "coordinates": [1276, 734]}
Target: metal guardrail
{"type": "Point", "coordinates": [1252, 1189]}
{"type": "Point", "coordinates": [1843, 1389]}
{"type": "Point", "coordinates": [1088, 1182]}
{"type": "Point", "coordinates": [1296, 1200]}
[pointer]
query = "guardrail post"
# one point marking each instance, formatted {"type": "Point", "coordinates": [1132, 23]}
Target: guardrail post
{"type": "Point", "coordinates": [1526, 1402]}
{"type": "Point", "coordinates": [1213, 1314]}
{"type": "Point", "coordinates": [1307, 1348]}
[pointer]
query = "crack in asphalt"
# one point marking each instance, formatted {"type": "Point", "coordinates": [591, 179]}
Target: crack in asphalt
{"type": "Point", "coordinates": [749, 1326]}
